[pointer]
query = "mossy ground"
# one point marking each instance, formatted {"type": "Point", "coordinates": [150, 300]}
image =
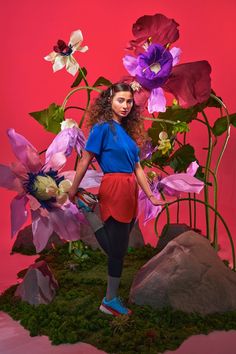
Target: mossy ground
{"type": "Point", "coordinates": [73, 315]}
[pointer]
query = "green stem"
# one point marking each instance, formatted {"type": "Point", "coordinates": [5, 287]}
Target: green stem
{"type": "Point", "coordinates": [178, 208]}
{"type": "Point", "coordinates": [218, 214]}
{"type": "Point", "coordinates": [159, 120]}
{"type": "Point", "coordinates": [78, 89]}
{"type": "Point", "coordinates": [190, 210]}
{"type": "Point", "coordinates": [214, 173]}
{"type": "Point", "coordinates": [206, 175]}
{"type": "Point", "coordinates": [88, 100]}
{"type": "Point", "coordinates": [74, 107]}
{"type": "Point", "coordinates": [194, 212]}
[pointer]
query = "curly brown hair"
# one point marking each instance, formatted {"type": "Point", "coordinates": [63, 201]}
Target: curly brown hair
{"type": "Point", "coordinates": [101, 111]}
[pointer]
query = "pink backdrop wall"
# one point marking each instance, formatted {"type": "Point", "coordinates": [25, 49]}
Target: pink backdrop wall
{"type": "Point", "coordinates": [29, 29]}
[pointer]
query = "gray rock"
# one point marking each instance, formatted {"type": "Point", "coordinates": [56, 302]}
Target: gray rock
{"type": "Point", "coordinates": [169, 232]}
{"type": "Point", "coordinates": [24, 241]}
{"type": "Point", "coordinates": [38, 286]}
{"type": "Point", "coordinates": [186, 275]}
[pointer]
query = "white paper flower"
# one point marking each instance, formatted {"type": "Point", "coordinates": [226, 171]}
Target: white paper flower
{"type": "Point", "coordinates": [68, 123]}
{"type": "Point", "coordinates": [62, 56]}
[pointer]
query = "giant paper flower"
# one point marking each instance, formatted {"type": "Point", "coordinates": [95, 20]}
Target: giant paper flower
{"type": "Point", "coordinates": [63, 53]}
{"type": "Point", "coordinates": [171, 185]}
{"type": "Point", "coordinates": [43, 187]}
{"type": "Point", "coordinates": [155, 67]}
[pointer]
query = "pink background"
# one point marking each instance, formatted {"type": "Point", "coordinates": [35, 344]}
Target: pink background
{"type": "Point", "coordinates": [29, 30]}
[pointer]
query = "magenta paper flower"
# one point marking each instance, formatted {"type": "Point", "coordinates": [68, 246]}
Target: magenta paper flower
{"type": "Point", "coordinates": [155, 67]}
{"type": "Point", "coordinates": [63, 53]}
{"type": "Point", "coordinates": [171, 185]}
{"type": "Point", "coordinates": [43, 187]}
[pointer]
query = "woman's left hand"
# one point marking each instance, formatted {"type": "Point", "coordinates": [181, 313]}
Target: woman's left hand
{"type": "Point", "coordinates": [156, 201]}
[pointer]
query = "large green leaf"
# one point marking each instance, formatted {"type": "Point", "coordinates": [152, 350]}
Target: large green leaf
{"type": "Point", "coordinates": [182, 158]}
{"type": "Point", "coordinates": [176, 113]}
{"type": "Point", "coordinates": [50, 118]}
{"type": "Point", "coordinates": [81, 73]}
{"type": "Point", "coordinates": [102, 81]}
{"type": "Point", "coordinates": [220, 125]}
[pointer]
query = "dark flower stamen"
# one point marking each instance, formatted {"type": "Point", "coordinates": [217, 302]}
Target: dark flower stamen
{"type": "Point", "coordinates": [62, 48]}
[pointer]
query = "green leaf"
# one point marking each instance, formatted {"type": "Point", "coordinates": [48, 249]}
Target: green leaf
{"type": "Point", "coordinates": [102, 81]}
{"type": "Point", "coordinates": [182, 158]}
{"type": "Point", "coordinates": [80, 77]}
{"type": "Point", "coordinates": [50, 118]}
{"type": "Point", "coordinates": [220, 125]}
{"type": "Point", "coordinates": [176, 113]}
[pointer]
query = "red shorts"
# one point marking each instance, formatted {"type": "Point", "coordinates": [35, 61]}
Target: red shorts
{"type": "Point", "coordinates": [118, 197]}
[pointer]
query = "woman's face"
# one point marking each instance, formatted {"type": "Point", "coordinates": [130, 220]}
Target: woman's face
{"type": "Point", "coordinates": [122, 103]}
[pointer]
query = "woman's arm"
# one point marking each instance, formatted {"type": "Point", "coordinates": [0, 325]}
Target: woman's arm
{"type": "Point", "coordinates": [80, 172]}
{"type": "Point", "coordinates": [143, 182]}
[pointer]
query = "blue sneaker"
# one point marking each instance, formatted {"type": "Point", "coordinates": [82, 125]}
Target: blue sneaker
{"type": "Point", "coordinates": [85, 200]}
{"type": "Point", "coordinates": [114, 307]}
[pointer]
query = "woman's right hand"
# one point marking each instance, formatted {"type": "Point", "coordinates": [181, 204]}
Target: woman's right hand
{"type": "Point", "coordinates": [72, 193]}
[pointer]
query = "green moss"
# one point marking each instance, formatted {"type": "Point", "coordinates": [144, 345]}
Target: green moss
{"type": "Point", "coordinates": [73, 315]}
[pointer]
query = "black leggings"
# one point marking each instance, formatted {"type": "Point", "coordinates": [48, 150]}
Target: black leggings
{"type": "Point", "coordinates": [114, 239]}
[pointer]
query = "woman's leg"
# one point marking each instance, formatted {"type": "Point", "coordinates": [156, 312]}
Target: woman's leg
{"type": "Point", "coordinates": [118, 240]}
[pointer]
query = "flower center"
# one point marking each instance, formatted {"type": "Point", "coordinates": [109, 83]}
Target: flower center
{"type": "Point", "coordinates": [62, 48]}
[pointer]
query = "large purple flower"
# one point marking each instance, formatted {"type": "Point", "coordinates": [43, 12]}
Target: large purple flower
{"type": "Point", "coordinates": [43, 187]}
{"type": "Point", "coordinates": [155, 69]}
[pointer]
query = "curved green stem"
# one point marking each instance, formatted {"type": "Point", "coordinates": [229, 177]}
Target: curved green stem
{"type": "Point", "coordinates": [159, 120]}
{"type": "Point", "coordinates": [215, 211]}
{"type": "Point", "coordinates": [194, 212]}
{"type": "Point", "coordinates": [88, 100]}
{"type": "Point", "coordinates": [74, 107]}
{"type": "Point", "coordinates": [78, 89]}
{"type": "Point", "coordinates": [215, 189]}
{"type": "Point", "coordinates": [206, 175]}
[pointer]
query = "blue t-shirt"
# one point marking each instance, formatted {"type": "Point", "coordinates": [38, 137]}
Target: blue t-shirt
{"type": "Point", "coordinates": [114, 149]}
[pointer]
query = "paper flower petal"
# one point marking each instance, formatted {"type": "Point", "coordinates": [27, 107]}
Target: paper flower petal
{"type": "Point", "coordinates": [183, 182]}
{"type": "Point", "coordinates": [190, 83]}
{"type": "Point", "coordinates": [56, 162]}
{"type": "Point", "coordinates": [9, 180]}
{"type": "Point", "coordinates": [192, 168]}
{"type": "Point", "coordinates": [92, 179]}
{"type": "Point", "coordinates": [175, 52]}
{"type": "Point", "coordinates": [157, 101]}
{"type": "Point", "coordinates": [131, 64]}
{"type": "Point", "coordinates": [24, 151]}
{"type": "Point", "coordinates": [59, 63]}
{"type": "Point", "coordinates": [76, 38]}
{"type": "Point", "coordinates": [42, 230]}
{"type": "Point", "coordinates": [19, 213]}
{"type": "Point", "coordinates": [71, 65]}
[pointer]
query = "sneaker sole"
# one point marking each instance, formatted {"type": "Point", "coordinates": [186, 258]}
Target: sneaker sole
{"type": "Point", "coordinates": [109, 311]}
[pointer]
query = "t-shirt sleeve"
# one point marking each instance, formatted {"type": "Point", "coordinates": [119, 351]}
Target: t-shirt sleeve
{"type": "Point", "coordinates": [96, 139]}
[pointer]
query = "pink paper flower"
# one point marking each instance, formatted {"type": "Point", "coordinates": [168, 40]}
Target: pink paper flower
{"type": "Point", "coordinates": [41, 187]}
{"type": "Point", "coordinates": [63, 53]}
{"type": "Point", "coordinates": [171, 185]}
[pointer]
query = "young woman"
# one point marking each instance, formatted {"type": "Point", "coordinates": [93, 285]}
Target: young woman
{"type": "Point", "coordinates": [116, 132]}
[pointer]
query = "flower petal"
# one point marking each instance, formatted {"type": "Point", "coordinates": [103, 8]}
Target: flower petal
{"type": "Point", "coordinates": [24, 151]}
{"type": "Point", "coordinates": [190, 83]}
{"type": "Point", "coordinates": [183, 182]}
{"type": "Point", "coordinates": [9, 180]}
{"type": "Point", "coordinates": [175, 52]}
{"type": "Point", "coordinates": [131, 64]}
{"type": "Point", "coordinates": [51, 56]}
{"type": "Point", "coordinates": [66, 222]}
{"type": "Point", "coordinates": [76, 38]}
{"type": "Point", "coordinates": [42, 230]}
{"type": "Point", "coordinates": [65, 142]}
{"type": "Point", "coordinates": [59, 62]}
{"type": "Point", "coordinates": [19, 213]}
{"type": "Point", "coordinates": [83, 49]}
{"type": "Point", "coordinates": [56, 162]}
{"type": "Point", "coordinates": [71, 65]}
{"type": "Point", "coordinates": [192, 168]}
{"type": "Point", "coordinates": [92, 179]}
{"type": "Point", "coordinates": [158, 27]}
{"type": "Point", "coordinates": [157, 101]}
